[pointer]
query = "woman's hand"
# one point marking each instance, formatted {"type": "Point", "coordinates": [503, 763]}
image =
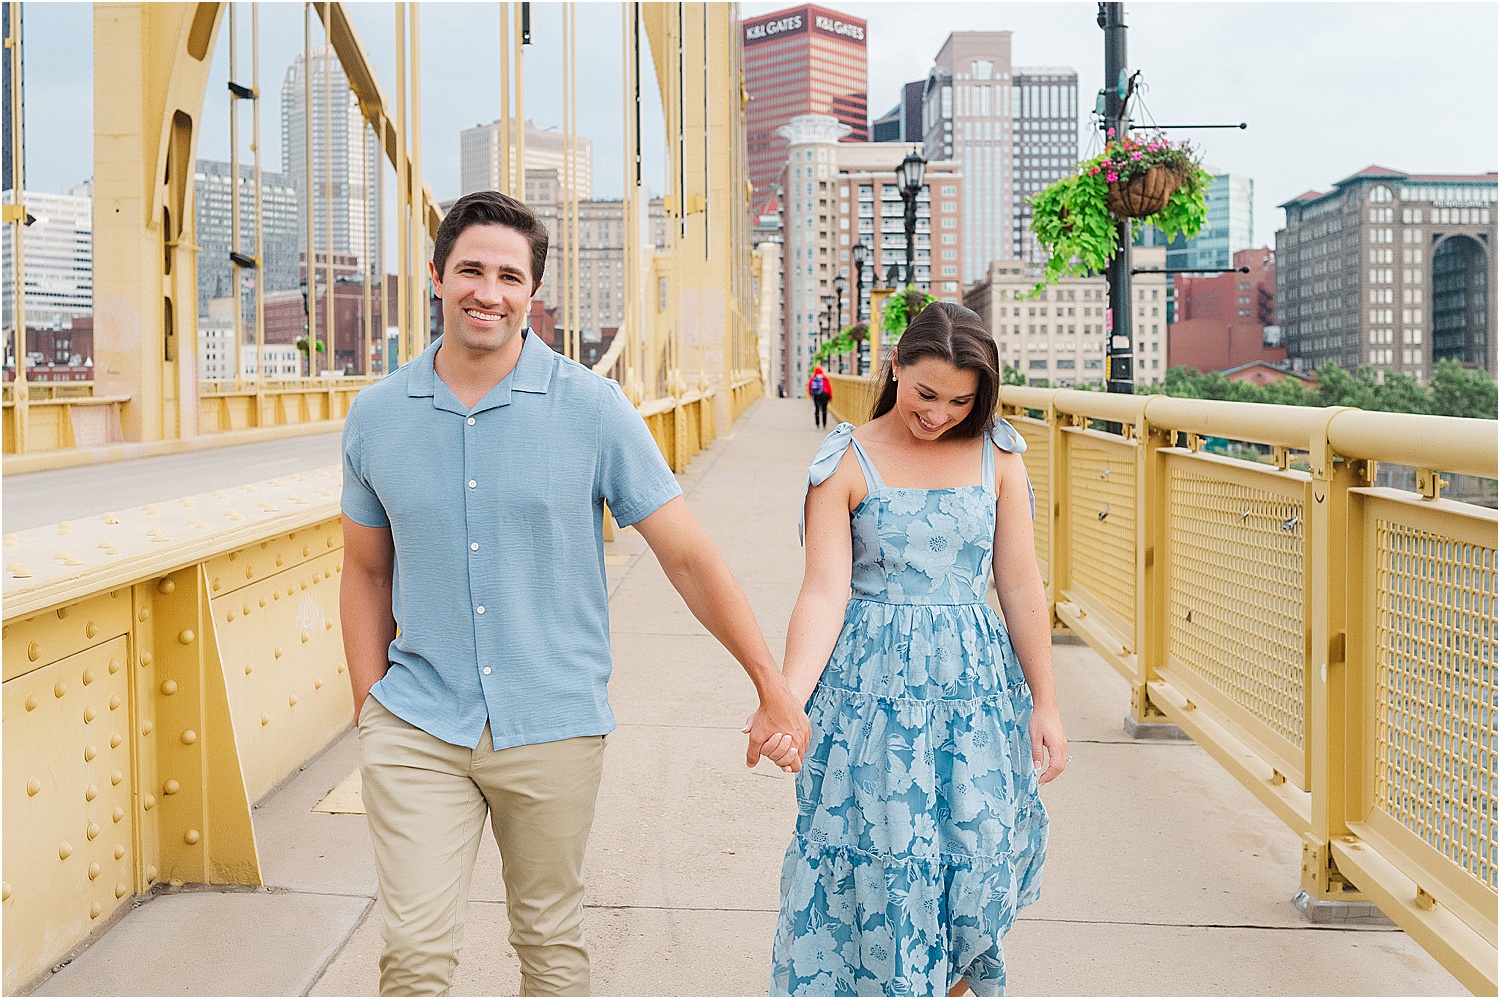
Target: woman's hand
{"type": "Point", "coordinates": [1047, 733]}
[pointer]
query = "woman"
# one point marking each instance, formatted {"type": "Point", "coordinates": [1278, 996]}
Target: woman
{"type": "Point", "coordinates": [920, 829]}
{"type": "Point", "coordinates": [821, 390]}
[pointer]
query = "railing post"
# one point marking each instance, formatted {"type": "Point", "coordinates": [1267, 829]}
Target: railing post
{"type": "Point", "coordinates": [1153, 526]}
{"type": "Point", "coordinates": [1334, 698]}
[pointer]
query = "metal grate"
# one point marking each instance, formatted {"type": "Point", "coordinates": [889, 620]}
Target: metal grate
{"type": "Point", "coordinates": [1435, 692]}
{"type": "Point", "coordinates": [1102, 524]}
{"type": "Point", "coordinates": [1038, 452]}
{"type": "Point", "coordinates": [1236, 578]}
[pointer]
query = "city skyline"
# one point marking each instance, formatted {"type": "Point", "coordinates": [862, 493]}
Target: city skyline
{"type": "Point", "coordinates": [1244, 64]}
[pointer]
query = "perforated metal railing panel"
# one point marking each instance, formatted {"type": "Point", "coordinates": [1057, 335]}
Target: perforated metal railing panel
{"type": "Point", "coordinates": [1435, 692]}
{"type": "Point", "coordinates": [1236, 581]}
{"type": "Point", "coordinates": [1102, 522]}
{"type": "Point", "coordinates": [1038, 437]}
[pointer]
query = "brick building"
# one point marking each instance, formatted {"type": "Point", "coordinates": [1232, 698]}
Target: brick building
{"type": "Point", "coordinates": [1227, 320]}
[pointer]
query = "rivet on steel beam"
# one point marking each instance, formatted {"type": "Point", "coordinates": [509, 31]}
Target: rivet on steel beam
{"type": "Point", "coordinates": [95, 910]}
{"type": "Point", "coordinates": [292, 701]}
{"type": "Point", "coordinates": [245, 609]}
{"type": "Point", "coordinates": [249, 572]}
{"type": "Point", "coordinates": [187, 501]}
{"type": "Point", "coordinates": [277, 483]}
{"type": "Point", "coordinates": [31, 702]}
{"type": "Point", "coordinates": [11, 541]}
{"type": "Point", "coordinates": [149, 509]}
{"type": "Point", "coordinates": [187, 636]}
{"type": "Point", "coordinates": [338, 567]}
{"type": "Point", "coordinates": [317, 683]}
{"type": "Point", "coordinates": [62, 612]}
{"type": "Point", "coordinates": [114, 664]}
{"type": "Point", "coordinates": [171, 787]}
{"type": "Point", "coordinates": [33, 787]}
{"type": "Point", "coordinates": [120, 889]}
{"type": "Point", "coordinates": [265, 719]}
{"type": "Point", "coordinates": [94, 871]}
{"type": "Point", "coordinates": [303, 585]}
{"type": "Point", "coordinates": [220, 494]}
{"type": "Point", "coordinates": [151, 872]}
{"type": "Point", "coordinates": [268, 506]}
{"type": "Point", "coordinates": [4, 891]}
{"type": "Point", "coordinates": [234, 514]}
{"type": "Point", "coordinates": [262, 601]}
{"type": "Point", "coordinates": [89, 752]}
{"type": "Point", "coordinates": [169, 687]}
{"type": "Point", "coordinates": [249, 668]}
{"type": "Point", "coordinates": [109, 518]}
{"type": "Point", "coordinates": [33, 652]}
{"type": "Point", "coordinates": [118, 815]}
{"type": "Point", "coordinates": [278, 559]}
{"type": "Point", "coordinates": [167, 585]}
{"type": "Point", "coordinates": [59, 689]}
{"type": "Point", "coordinates": [291, 590]}
{"type": "Point", "coordinates": [216, 584]}
{"type": "Point", "coordinates": [115, 777]}
{"type": "Point", "coordinates": [64, 850]}
{"type": "Point", "coordinates": [115, 738]}
{"type": "Point", "coordinates": [146, 658]}
{"type": "Point", "coordinates": [327, 573]}
{"type": "Point", "coordinates": [229, 616]}
{"type": "Point", "coordinates": [89, 714]}
{"type": "Point", "coordinates": [233, 556]}
{"type": "Point", "coordinates": [88, 677]}
{"type": "Point", "coordinates": [191, 837]}
{"type": "Point", "coordinates": [18, 571]}
{"type": "Point", "coordinates": [147, 727]}
{"type": "Point", "coordinates": [114, 701]}
{"type": "Point", "coordinates": [144, 613]}
{"type": "Point", "coordinates": [306, 638]}
{"type": "Point", "coordinates": [276, 594]}
{"type": "Point", "coordinates": [189, 737]}
{"type": "Point", "coordinates": [119, 851]}
{"type": "Point", "coordinates": [276, 651]}
{"type": "Point", "coordinates": [92, 832]}
{"type": "Point", "coordinates": [148, 802]}
{"type": "Point", "coordinates": [64, 528]}
{"type": "Point", "coordinates": [90, 793]}
{"type": "Point", "coordinates": [90, 630]}
{"type": "Point", "coordinates": [306, 550]}
{"type": "Point", "coordinates": [329, 542]}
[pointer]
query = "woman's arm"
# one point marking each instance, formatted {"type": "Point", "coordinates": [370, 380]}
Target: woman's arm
{"type": "Point", "coordinates": [819, 612]}
{"type": "Point", "coordinates": [1023, 600]}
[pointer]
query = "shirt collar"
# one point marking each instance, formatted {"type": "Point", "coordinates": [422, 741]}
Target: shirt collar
{"type": "Point", "coordinates": [532, 373]}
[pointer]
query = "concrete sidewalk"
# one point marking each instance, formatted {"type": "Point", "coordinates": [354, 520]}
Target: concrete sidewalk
{"type": "Point", "coordinates": [1164, 877]}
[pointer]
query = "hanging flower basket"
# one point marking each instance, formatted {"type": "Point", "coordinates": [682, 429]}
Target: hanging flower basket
{"type": "Point", "coordinates": [1143, 195]}
{"type": "Point", "coordinates": [1147, 180]}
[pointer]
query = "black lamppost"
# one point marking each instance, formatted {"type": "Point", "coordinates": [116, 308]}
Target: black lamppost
{"type": "Point", "coordinates": [860, 253]}
{"type": "Point", "coordinates": [839, 284]}
{"type": "Point", "coordinates": [909, 173]}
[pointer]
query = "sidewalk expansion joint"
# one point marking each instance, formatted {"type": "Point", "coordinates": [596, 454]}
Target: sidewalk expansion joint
{"type": "Point", "coordinates": [1210, 926]}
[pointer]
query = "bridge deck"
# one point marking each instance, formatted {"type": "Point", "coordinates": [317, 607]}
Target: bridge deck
{"type": "Point", "coordinates": [1165, 876]}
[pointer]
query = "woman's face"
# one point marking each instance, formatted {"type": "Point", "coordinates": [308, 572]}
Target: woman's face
{"type": "Point", "coordinates": [933, 396]}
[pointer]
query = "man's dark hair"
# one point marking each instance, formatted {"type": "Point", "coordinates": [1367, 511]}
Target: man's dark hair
{"type": "Point", "coordinates": [492, 208]}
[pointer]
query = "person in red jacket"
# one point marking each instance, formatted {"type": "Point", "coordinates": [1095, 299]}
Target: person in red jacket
{"type": "Point", "coordinates": [821, 389]}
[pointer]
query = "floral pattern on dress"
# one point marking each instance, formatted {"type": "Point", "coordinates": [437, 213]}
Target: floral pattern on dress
{"type": "Point", "coordinates": [920, 830]}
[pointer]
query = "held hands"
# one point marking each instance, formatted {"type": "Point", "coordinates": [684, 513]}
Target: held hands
{"type": "Point", "coordinates": [778, 730]}
{"type": "Point", "coordinates": [1047, 732]}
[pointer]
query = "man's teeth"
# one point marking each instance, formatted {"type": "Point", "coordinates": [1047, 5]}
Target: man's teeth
{"type": "Point", "coordinates": [481, 315]}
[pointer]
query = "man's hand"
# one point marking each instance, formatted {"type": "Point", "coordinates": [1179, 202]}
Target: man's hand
{"type": "Point", "coordinates": [778, 730]}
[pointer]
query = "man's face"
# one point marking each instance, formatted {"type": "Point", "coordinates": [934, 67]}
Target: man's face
{"type": "Point", "coordinates": [486, 287]}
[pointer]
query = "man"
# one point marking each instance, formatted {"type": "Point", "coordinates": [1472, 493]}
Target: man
{"type": "Point", "coordinates": [474, 484]}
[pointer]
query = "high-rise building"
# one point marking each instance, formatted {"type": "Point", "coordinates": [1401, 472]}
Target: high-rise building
{"type": "Point", "coordinates": [902, 123]}
{"type": "Point", "coordinates": [1058, 337]}
{"type": "Point", "coordinates": [58, 261]}
{"type": "Point", "coordinates": [340, 140]}
{"type": "Point", "coordinates": [480, 150]}
{"type": "Point", "coordinates": [1044, 106]}
{"type": "Point", "coordinates": [214, 225]}
{"type": "Point", "coordinates": [1389, 269]}
{"type": "Point", "coordinates": [1014, 131]}
{"type": "Point", "coordinates": [798, 61]}
{"type": "Point", "coordinates": [1228, 228]}
{"type": "Point", "coordinates": [836, 195]}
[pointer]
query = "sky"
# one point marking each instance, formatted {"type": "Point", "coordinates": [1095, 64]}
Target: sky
{"type": "Point", "coordinates": [1326, 88]}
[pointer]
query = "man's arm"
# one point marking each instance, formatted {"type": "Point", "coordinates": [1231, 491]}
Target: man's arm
{"type": "Point", "coordinates": [701, 576]}
{"type": "Point", "coordinates": [365, 606]}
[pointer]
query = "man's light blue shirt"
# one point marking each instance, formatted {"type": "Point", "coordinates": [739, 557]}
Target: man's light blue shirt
{"type": "Point", "coordinates": [496, 515]}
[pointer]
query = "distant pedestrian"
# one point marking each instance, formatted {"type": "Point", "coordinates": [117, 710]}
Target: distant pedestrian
{"type": "Point", "coordinates": [821, 390]}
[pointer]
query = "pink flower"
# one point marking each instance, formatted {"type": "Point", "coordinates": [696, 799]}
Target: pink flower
{"type": "Point", "coordinates": [1093, 170]}
{"type": "Point", "coordinates": [1105, 163]}
{"type": "Point", "coordinates": [1135, 156]}
{"type": "Point", "coordinates": [1111, 132]}
{"type": "Point", "coordinates": [1111, 177]}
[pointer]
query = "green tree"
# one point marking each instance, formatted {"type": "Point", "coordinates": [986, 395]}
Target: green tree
{"type": "Point", "coordinates": [1461, 391]}
{"type": "Point", "coordinates": [1012, 376]}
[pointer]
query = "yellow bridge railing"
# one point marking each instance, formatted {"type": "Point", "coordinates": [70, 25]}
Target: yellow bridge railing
{"type": "Point", "coordinates": [1331, 643]}
{"type": "Point", "coordinates": [231, 405]}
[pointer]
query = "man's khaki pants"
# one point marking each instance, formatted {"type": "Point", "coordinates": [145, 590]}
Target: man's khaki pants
{"type": "Point", "coordinates": [426, 801]}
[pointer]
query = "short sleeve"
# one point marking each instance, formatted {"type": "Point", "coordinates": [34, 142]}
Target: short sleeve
{"type": "Point", "coordinates": [633, 477]}
{"type": "Point", "coordinates": [358, 500]}
{"type": "Point", "coordinates": [1007, 438]}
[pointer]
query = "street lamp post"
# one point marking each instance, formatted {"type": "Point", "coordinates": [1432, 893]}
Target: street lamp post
{"type": "Point", "coordinates": [862, 353]}
{"type": "Point", "coordinates": [910, 175]}
{"type": "Point", "coordinates": [838, 311]}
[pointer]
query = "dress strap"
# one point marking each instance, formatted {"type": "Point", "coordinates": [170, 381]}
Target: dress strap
{"type": "Point", "coordinates": [873, 481]}
{"type": "Point", "coordinates": [830, 453]}
{"type": "Point", "coordinates": [1005, 437]}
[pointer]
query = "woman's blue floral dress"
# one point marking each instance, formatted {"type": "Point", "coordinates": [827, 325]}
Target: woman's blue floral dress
{"type": "Point", "coordinates": [920, 830]}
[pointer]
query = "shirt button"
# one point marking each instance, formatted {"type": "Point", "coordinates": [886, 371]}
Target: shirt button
{"type": "Point", "coordinates": [486, 671]}
{"type": "Point", "coordinates": [471, 421]}
{"type": "Point", "coordinates": [473, 546]}
{"type": "Point", "coordinates": [479, 609]}
{"type": "Point", "coordinates": [472, 483]}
